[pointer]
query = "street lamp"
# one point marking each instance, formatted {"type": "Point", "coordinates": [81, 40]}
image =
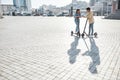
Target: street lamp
{"type": "Point", "coordinates": [72, 9]}
{"type": "Point", "coordinates": [102, 8]}
{"type": "Point", "coordinates": [107, 8]}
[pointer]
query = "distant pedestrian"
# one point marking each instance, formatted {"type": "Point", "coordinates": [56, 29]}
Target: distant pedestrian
{"type": "Point", "coordinates": [90, 18]}
{"type": "Point", "coordinates": [77, 20]}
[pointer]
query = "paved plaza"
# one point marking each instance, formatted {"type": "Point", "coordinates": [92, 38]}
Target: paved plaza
{"type": "Point", "coordinates": [41, 48]}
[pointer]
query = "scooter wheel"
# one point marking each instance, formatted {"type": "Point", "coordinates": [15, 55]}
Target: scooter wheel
{"type": "Point", "coordinates": [95, 34]}
{"type": "Point", "coordinates": [78, 34]}
{"type": "Point", "coordinates": [71, 33]}
{"type": "Point", "coordinates": [83, 35]}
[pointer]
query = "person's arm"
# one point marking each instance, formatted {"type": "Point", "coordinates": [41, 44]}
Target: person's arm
{"type": "Point", "coordinates": [85, 16]}
{"type": "Point", "coordinates": [77, 16]}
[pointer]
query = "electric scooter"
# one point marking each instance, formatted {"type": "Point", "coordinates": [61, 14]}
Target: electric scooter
{"type": "Point", "coordinates": [84, 33]}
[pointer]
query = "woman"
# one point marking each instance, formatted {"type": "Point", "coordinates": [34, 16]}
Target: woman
{"type": "Point", "coordinates": [77, 20]}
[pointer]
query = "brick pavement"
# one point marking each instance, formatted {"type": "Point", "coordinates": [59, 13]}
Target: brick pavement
{"type": "Point", "coordinates": [41, 48]}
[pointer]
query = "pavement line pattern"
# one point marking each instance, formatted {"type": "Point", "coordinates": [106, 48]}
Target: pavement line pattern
{"type": "Point", "coordinates": [41, 48]}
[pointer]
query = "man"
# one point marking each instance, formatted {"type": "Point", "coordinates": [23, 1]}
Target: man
{"type": "Point", "coordinates": [90, 18]}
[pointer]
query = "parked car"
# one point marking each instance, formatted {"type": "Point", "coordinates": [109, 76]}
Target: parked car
{"type": "Point", "coordinates": [44, 15]}
{"type": "Point", "coordinates": [24, 13]}
{"type": "Point", "coordinates": [58, 15]}
{"type": "Point", "coordinates": [50, 15]}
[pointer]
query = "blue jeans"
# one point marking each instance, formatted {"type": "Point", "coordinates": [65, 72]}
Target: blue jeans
{"type": "Point", "coordinates": [91, 30]}
{"type": "Point", "coordinates": [77, 22]}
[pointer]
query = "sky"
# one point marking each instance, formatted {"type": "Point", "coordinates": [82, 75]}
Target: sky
{"type": "Point", "coordinates": [37, 3]}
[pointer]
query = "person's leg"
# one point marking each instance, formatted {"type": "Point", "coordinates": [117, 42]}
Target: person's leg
{"type": "Point", "coordinates": [92, 30]}
{"type": "Point", "coordinates": [89, 30]}
{"type": "Point", "coordinates": [77, 26]}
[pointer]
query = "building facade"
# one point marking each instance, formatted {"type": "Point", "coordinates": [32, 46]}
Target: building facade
{"type": "Point", "coordinates": [22, 5]}
{"type": "Point", "coordinates": [92, 2]}
{"type": "Point", "coordinates": [0, 10]}
{"type": "Point", "coordinates": [7, 9]}
{"type": "Point", "coordinates": [28, 4]}
{"type": "Point", "coordinates": [104, 7]}
{"type": "Point", "coordinates": [116, 10]}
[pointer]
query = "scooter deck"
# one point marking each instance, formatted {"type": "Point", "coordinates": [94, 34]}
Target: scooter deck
{"type": "Point", "coordinates": [75, 34]}
{"type": "Point", "coordinates": [94, 36]}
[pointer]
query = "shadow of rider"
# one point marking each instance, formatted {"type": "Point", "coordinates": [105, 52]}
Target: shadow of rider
{"type": "Point", "coordinates": [94, 54]}
{"type": "Point", "coordinates": [73, 51]}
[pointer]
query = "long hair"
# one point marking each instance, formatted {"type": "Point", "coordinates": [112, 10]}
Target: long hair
{"type": "Point", "coordinates": [77, 10]}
